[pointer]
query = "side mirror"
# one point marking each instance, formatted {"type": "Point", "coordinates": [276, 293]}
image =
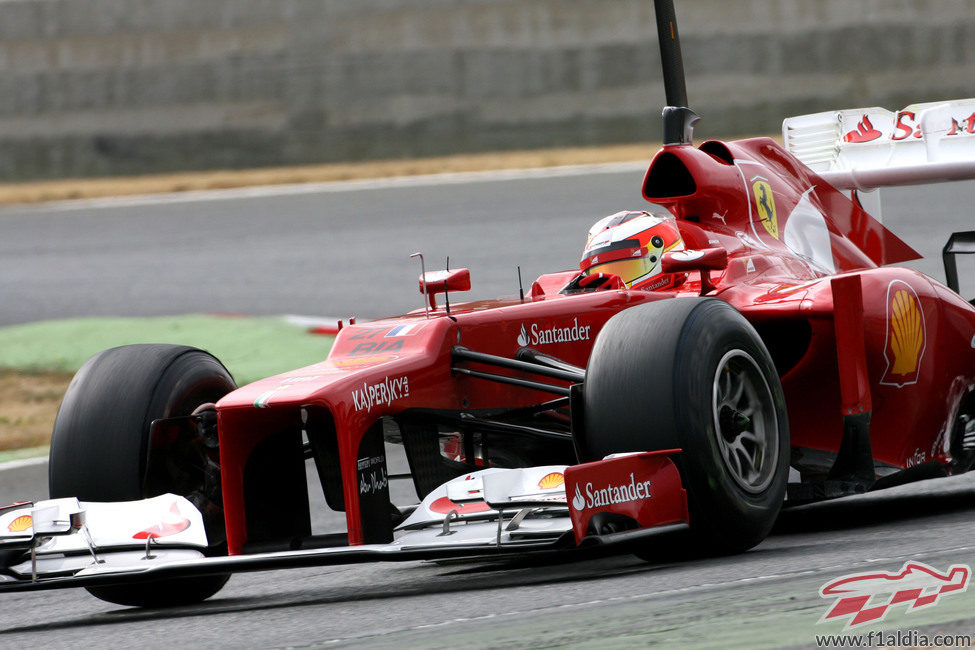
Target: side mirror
{"type": "Point", "coordinates": [703, 260]}
{"type": "Point", "coordinates": [434, 282]}
{"type": "Point", "coordinates": [711, 259]}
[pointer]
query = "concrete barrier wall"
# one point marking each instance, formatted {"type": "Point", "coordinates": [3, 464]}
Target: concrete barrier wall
{"type": "Point", "coordinates": [91, 87]}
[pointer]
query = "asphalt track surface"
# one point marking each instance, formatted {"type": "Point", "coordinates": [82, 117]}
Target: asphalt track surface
{"type": "Point", "coordinates": [344, 250]}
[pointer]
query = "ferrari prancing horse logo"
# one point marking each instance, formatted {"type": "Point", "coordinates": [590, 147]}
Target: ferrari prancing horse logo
{"type": "Point", "coordinates": [765, 204]}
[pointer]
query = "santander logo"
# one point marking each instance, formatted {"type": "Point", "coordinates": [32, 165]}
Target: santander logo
{"type": "Point", "coordinates": [172, 522]}
{"type": "Point", "coordinates": [539, 336]}
{"type": "Point", "coordinates": [578, 502]}
{"type": "Point", "coordinates": [611, 494]}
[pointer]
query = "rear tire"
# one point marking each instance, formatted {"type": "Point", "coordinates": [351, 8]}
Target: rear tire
{"type": "Point", "coordinates": [100, 446]}
{"type": "Point", "coordinates": [693, 374]}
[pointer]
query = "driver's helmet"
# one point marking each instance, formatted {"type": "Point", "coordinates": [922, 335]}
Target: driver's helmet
{"type": "Point", "coordinates": [629, 244]}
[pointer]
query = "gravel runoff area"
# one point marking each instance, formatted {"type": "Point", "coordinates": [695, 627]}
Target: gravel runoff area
{"type": "Point", "coordinates": [91, 188]}
{"type": "Point", "coordinates": [38, 360]}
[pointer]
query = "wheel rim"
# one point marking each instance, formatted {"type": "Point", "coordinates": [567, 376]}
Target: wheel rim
{"type": "Point", "coordinates": [745, 423]}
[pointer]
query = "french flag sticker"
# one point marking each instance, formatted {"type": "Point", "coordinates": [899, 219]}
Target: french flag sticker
{"type": "Point", "coordinates": [401, 330]}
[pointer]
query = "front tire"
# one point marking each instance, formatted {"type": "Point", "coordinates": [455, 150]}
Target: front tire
{"type": "Point", "coordinates": [100, 446]}
{"type": "Point", "coordinates": [693, 374]}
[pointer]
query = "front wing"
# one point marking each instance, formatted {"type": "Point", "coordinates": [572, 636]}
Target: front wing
{"type": "Point", "coordinates": [495, 512]}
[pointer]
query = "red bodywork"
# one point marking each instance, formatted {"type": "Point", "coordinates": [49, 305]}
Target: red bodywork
{"type": "Point", "coordinates": [653, 495]}
{"type": "Point", "coordinates": [847, 336]}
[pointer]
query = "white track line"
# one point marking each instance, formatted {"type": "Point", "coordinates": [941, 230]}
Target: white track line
{"type": "Point", "coordinates": [23, 462]}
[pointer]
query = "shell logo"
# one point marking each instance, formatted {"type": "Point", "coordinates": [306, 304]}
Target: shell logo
{"type": "Point", "coordinates": [552, 480]}
{"type": "Point", "coordinates": [355, 362]}
{"type": "Point", "coordinates": [20, 524]}
{"type": "Point", "coordinates": [905, 335]}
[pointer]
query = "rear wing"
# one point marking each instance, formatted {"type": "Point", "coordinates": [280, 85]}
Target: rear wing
{"type": "Point", "coordinates": [867, 148]}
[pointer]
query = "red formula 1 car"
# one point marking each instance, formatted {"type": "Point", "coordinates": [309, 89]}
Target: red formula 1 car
{"type": "Point", "coordinates": [739, 345]}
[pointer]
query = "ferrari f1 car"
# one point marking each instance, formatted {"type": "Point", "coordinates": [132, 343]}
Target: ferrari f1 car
{"type": "Point", "coordinates": [741, 344]}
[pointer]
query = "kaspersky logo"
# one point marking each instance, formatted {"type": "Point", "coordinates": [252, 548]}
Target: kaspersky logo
{"type": "Point", "coordinates": [536, 335]}
{"type": "Point", "coordinates": [382, 393]}
{"type": "Point", "coordinates": [868, 597]}
{"type": "Point", "coordinates": [592, 497]}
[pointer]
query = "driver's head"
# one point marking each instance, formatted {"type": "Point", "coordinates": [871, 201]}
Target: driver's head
{"type": "Point", "coordinates": [629, 244]}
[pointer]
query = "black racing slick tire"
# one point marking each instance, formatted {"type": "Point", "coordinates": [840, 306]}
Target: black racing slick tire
{"type": "Point", "coordinates": [100, 447]}
{"type": "Point", "coordinates": [693, 374]}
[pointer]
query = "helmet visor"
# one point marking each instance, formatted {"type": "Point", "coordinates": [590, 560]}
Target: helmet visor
{"type": "Point", "coordinates": [630, 270]}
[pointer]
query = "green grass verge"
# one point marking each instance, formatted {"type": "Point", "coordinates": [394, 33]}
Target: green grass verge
{"type": "Point", "coordinates": [23, 454]}
{"type": "Point", "coordinates": [251, 348]}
